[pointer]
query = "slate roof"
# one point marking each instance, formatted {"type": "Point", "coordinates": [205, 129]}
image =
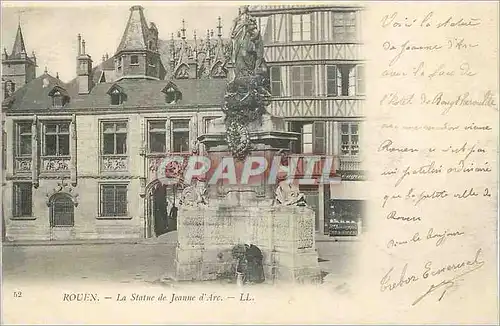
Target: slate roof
{"type": "Point", "coordinates": [145, 93]}
{"type": "Point", "coordinates": [18, 47]}
{"type": "Point", "coordinates": [140, 94]}
{"type": "Point", "coordinates": [35, 94]}
{"type": "Point", "coordinates": [136, 31]}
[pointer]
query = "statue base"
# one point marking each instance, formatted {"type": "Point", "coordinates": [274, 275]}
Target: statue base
{"type": "Point", "coordinates": [246, 214]}
{"type": "Point", "coordinates": [284, 234]}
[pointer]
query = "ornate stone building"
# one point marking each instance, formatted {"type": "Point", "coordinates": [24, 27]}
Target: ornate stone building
{"type": "Point", "coordinates": [314, 53]}
{"type": "Point", "coordinates": [81, 156]}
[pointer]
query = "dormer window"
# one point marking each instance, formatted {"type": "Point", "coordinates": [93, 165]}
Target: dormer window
{"type": "Point", "coordinates": [172, 94]}
{"type": "Point", "coordinates": [117, 95]}
{"type": "Point", "coordinates": [59, 97]}
{"type": "Point", "coordinates": [134, 60]}
{"type": "Point", "coordinates": [57, 100]}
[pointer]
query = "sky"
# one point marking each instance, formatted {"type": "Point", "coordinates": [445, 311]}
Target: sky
{"type": "Point", "coordinates": [51, 28]}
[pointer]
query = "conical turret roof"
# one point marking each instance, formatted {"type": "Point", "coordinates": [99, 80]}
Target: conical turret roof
{"type": "Point", "coordinates": [136, 32]}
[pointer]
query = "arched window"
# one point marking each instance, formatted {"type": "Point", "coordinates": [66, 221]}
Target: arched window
{"type": "Point", "coordinates": [61, 211]}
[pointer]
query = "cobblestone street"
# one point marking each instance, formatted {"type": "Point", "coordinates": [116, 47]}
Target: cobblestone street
{"type": "Point", "coordinates": [147, 261]}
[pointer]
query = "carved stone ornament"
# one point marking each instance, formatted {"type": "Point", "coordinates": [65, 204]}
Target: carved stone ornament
{"type": "Point", "coordinates": [288, 194]}
{"type": "Point", "coordinates": [23, 164]}
{"type": "Point", "coordinates": [114, 164]}
{"type": "Point", "coordinates": [62, 187]}
{"type": "Point", "coordinates": [195, 194]}
{"type": "Point", "coordinates": [53, 164]}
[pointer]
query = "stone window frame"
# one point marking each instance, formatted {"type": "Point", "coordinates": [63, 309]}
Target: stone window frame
{"type": "Point", "coordinates": [57, 134]}
{"type": "Point", "coordinates": [17, 201]}
{"type": "Point", "coordinates": [163, 130]}
{"type": "Point", "coordinates": [17, 140]}
{"type": "Point", "coordinates": [100, 207]}
{"type": "Point", "coordinates": [59, 202]}
{"type": "Point", "coordinates": [115, 131]}
{"type": "Point", "coordinates": [174, 130]}
{"type": "Point", "coordinates": [115, 161]}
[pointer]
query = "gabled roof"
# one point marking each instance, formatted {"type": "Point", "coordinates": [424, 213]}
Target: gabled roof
{"type": "Point", "coordinates": [18, 47]}
{"type": "Point", "coordinates": [136, 31]}
{"type": "Point", "coordinates": [115, 88]}
{"type": "Point", "coordinates": [35, 94]}
{"type": "Point", "coordinates": [168, 86]}
{"type": "Point", "coordinates": [57, 89]}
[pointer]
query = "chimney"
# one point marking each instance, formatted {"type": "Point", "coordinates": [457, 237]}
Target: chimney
{"type": "Point", "coordinates": [83, 68]}
{"type": "Point", "coordinates": [79, 44]}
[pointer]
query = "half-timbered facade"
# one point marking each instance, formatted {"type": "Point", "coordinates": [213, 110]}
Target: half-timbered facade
{"type": "Point", "coordinates": [316, 63]}
{"type": "Point", "coordinates": [81, 157]}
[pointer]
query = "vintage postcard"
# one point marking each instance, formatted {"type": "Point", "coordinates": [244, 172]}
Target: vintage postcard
{"type": "Point", "coordinates": [226, 162]}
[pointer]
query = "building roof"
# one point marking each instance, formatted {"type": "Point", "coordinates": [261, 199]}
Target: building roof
{"type": "Point", "coordinates": [136, 32]}
{"type": "Point", "coordinates": [35, 94]}
{"type": "Point", "coordinates": [145, 93]}
{"type": "Point", "coordinates": [139, 94]}
{"type": "Point", "coordinates": [19, 47]}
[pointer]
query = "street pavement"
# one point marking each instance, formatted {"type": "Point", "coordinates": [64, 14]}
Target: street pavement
{"type": "Point", "coordinates": [146, 261]}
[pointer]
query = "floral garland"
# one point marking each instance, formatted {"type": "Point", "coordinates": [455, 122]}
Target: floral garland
{"type": "Point", "coordinates": [245, 102]}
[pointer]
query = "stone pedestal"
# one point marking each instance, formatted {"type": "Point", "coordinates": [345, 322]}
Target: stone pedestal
{"type": "Point", "coordinates": [246, 214]}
